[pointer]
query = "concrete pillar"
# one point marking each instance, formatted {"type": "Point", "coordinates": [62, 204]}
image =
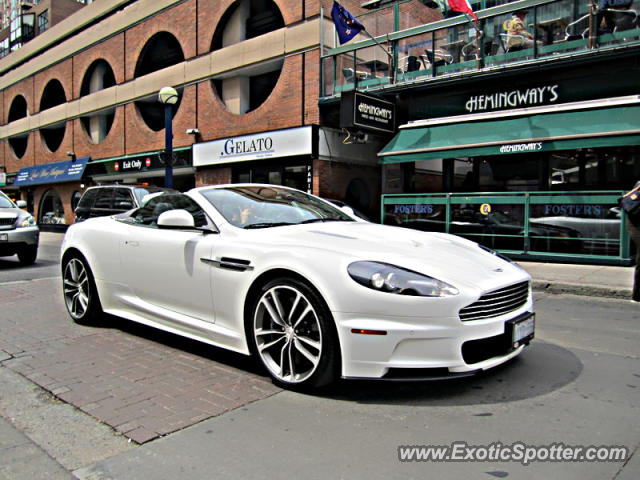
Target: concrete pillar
{"type": "Point", "coordinates": [235, 94]}
{"type": "Point", "coordinates": [98, 122]}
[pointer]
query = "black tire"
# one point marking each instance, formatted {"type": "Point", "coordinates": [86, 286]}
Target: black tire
{"type": "Point", "coordinates": [28, 254]}
{"type": "Point", "coordinates": [79, 291]}
{"type": "Point", "coordinates": [315, 327]}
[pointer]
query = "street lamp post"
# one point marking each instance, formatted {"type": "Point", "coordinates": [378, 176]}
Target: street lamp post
{"type": "Point", "coordinates": [168, 96]}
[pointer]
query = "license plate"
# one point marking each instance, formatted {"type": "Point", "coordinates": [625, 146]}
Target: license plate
{"type": "Point", "coordinates": [523, 329]}
{"type": "Point", "coordinates": [4, 237]}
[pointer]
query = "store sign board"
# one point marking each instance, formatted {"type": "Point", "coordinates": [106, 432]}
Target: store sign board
{"type": "Point", "coordinates": [52, 173]}
{"type": "Point", "coordinates": [260, 146]}
{"type": "Point", "coordinates": [515, 90]}
{"type": "Point", "coordinates": [366, 112]}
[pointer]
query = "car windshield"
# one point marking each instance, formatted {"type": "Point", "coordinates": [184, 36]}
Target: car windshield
{"type": "Point", "coordinates": [5, 202]}
{"type": "Point", "coordinates": [142, 192]}
{"type": "Point", "coordinates": [258, 206]}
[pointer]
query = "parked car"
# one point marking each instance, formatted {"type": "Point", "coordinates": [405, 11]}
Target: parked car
{"type": "Point", "coordinates": [310, 291]}
{"type": "Point", "coordinates": [106, 200]}
{"type": "Point", "coordinates": [19, 233]}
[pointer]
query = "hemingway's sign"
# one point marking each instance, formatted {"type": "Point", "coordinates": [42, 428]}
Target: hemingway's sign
{"type": "Point", "coordinates": [367, 112]}
{"type": "Point", "coordinates": [512, 99]}
{"type": "Point", "coordinates": [521, 147]}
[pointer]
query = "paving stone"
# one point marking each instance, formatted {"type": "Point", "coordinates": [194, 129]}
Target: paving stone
{"type": "Point", "coordinates": [123, 377]}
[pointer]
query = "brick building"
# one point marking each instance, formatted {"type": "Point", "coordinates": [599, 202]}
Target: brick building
{"type": "Point", "coordinates": [248, 77]}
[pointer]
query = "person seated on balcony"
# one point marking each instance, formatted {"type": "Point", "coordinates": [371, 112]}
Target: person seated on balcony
{"type": "Point", "coordinates": [518, 37]}
{"type": "Point", "coordinates": [614, 15]}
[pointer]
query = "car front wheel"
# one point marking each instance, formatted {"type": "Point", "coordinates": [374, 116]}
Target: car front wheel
{"type": "Point", "coordinates": [293, 333]}
{"type": "Point", "coordinates": [80, 294]}
{"type": "Point", "coordinates": [27, 255]}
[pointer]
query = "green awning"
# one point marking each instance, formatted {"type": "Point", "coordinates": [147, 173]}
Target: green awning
{"type": "Point", "coordinates": [605, 127]}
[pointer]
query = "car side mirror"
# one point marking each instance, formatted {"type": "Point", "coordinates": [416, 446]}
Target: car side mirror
{"type": "Point", "coordinates": [176, 219]}
{"type": "Point", "coordinates": [21, 204]}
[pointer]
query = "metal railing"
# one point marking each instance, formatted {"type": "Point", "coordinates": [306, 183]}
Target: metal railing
{"type": "Point", "coordinates": [453, 46]}
{"type": "Point", "coordinates": [584, 226]}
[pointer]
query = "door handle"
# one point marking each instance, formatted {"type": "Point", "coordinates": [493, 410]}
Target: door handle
{"type": "Point", "coordinates": [132, 243]}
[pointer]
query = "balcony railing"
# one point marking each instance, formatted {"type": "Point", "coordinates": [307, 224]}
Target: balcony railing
{"type": "Point", "coordinates": [453, 46]}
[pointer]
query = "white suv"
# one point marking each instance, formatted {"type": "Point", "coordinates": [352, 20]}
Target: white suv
{"type": "Point", "coordinates": [18, 231]}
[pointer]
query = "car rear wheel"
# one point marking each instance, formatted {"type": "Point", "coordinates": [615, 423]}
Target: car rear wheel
{"type": "Point", "coordinates": [80, 294]}
{"type": "Point", "coordinates": [27, 255]}
{"type": "Point", "coordinates": [293, 334]}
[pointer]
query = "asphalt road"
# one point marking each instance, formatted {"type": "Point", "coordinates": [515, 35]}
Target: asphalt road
{"type": "Point", "coordinates": [577, 384]}
{"type": "Point", "coordinates": [47, 262]}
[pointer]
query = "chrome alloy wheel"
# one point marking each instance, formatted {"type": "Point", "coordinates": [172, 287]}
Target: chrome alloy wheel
{"type": "Point", "coordinates": [288, 335]}
{"type": "Point", "coordinates": [76, 288]}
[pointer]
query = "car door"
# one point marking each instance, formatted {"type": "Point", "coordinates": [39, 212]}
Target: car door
{"type": "Point", "coordinates": [162, 267]}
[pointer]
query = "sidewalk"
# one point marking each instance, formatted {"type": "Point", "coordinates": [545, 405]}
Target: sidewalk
{"type": "Point", "coordinates": [592, 280]}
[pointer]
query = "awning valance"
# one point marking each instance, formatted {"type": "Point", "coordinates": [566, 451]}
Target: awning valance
{"type": "Point", "coordinates": [51, 173]}
{"type": "Point", "coordinates": [602, 127]}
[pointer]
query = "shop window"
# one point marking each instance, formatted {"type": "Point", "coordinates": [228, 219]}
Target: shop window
{"type": "Point", "coordinates": [99, 76]}
{"type": "Point", "coordinates": [294, 176]}
{"type": "Point", "coordinates": [18, 110]}
{"type": "Point", "coordinates": [43, 21]}
{"type": "Point", "coordinates": [53, 95]}
{"type": "Point", "coordinates": [161, 51]}
{"type": "Point", "coordinates": [246, 89]}
{"type": "Point", "coordinates": [51, 209]}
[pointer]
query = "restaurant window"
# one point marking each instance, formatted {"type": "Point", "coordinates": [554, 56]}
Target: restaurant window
{"type": "Point", "coordinates": [43, 21]}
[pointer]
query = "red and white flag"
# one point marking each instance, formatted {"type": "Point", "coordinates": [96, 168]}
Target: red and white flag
{"type": "Point", "coordinates": [462, 6]}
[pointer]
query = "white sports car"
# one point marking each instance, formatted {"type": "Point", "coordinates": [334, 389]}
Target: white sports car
{"type": "Point", "coordinates": [308, 289]}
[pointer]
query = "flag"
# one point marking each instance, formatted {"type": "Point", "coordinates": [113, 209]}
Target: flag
{"type": "Point", "coordinates": [462, 6]}
{"type": "Point", "coordinates": [346, 25]}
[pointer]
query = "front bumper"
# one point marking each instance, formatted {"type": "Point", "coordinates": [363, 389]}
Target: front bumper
{"type": "Point", "coordinates": [424, 348]}
{"type": "Point", "coordinates": [18, 239]}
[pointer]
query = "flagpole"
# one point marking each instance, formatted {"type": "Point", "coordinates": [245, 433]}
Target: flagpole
{"type": "Point", "coordinates": [392, 69]}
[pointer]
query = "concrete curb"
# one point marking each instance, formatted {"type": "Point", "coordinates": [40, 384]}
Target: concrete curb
{"type": "Point", "coordinates": [545, 286]}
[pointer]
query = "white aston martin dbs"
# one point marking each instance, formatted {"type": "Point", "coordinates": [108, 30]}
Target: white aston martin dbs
{"type": "Point", "coordinates": [307, 288]}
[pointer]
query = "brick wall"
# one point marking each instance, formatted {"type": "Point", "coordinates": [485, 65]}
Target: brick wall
{"type": "Point", "coordinates": [213, 176]}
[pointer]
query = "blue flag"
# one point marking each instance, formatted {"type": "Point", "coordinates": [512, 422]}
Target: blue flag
{"type": "Point", "coordinates": [346, 24]}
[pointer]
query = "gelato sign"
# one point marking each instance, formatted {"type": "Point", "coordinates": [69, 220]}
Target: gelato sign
{"type": "Point", "coordinates": [261, 146]}
{"type": "Point", "coordinates": [52, 173]}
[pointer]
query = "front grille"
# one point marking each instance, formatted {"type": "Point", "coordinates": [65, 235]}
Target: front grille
{"type": "Point", "coordinates": [7, 221]}
{"type": "Point", "coordinates": [497, 303]}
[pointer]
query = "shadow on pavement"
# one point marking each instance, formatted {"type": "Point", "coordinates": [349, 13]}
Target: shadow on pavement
{"type": "Point", "coordinates": [541, 368]}
{"type": "Point", "coordinates": [194, 347]}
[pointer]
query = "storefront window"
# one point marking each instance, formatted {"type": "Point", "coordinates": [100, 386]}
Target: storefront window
{"type": "Point", "coordinates": [51, 209]}
{"type": "Point", "coordinates": [294, 176]}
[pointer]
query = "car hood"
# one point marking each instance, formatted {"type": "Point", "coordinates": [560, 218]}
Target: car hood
{"type": "Point", "coordinates": [9, 212]}
{"type": "Point", "coordinates": [446, 257]}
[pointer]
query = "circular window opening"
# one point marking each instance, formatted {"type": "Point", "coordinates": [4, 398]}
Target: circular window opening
{"type": "Point", "coordinates": [161, 51]}
{"type": "Point", "coordinates": [244, 90]}
{"type": "Point", "coordinates": [98, 77]}
{"type": "Point", "coordinates": [53, 95]}
{"type": "Point", "coordinates": [51, 210]}
{"type": "Point", "coordinates": [246, 19]}
{"type": "Point", "coordinates": [18, 110]}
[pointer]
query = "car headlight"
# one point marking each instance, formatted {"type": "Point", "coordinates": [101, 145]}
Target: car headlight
{"type": "Point", "coordinates": [391, 279]}
{"type": "Point", "coordinates": [27, 221]}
